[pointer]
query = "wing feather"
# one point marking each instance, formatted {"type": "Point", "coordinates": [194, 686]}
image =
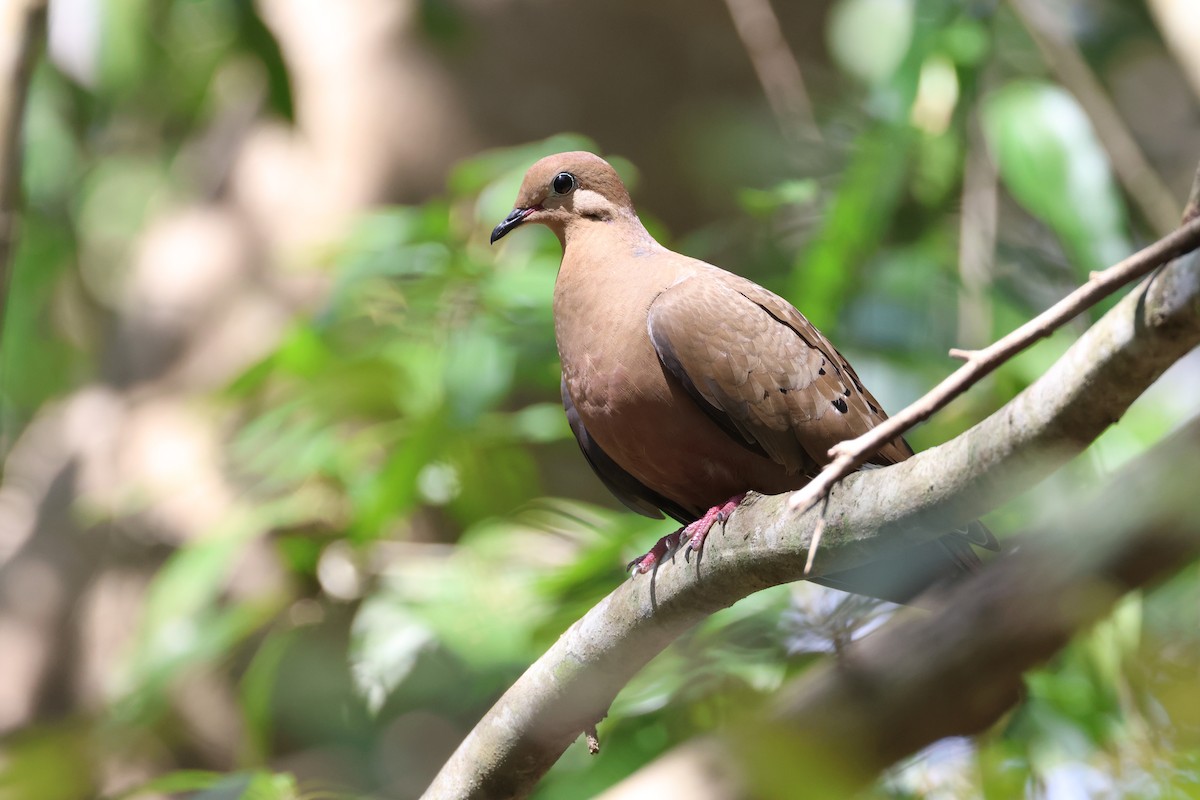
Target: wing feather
{"type": "Point", "coordinates": [762, 372]}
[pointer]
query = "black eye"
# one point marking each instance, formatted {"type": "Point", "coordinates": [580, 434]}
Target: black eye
{"type": "Point", "coordinates": [563, 183]}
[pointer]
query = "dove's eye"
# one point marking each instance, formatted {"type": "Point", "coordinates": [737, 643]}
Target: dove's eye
{"type": "Point", "coordinates": [563, 183]}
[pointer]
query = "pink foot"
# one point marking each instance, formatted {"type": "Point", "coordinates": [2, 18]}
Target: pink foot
{"type": "Point", "coordinates": [694, 534]}
{"type": "Point", "coordinates": [667, 544]}
{"type": "Point", "coordinates": [698, 530]}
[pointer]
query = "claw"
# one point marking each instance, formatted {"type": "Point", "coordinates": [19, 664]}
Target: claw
{"type": "Point", "coordinates": [694, 533]}
{"type": "Point", "coordinates": [643, 564]}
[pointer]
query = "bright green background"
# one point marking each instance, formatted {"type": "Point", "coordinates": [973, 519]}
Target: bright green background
{"type": "Point", "coordinates": [408, 430]}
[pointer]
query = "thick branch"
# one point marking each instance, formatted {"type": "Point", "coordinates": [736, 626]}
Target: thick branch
{"type": "Point", "coordinates": [869, 515]}
{"type": "Point", "coordinates": [927, 677]}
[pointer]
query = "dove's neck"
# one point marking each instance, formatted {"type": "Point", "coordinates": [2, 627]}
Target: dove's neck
{"type": "Point", "coordinates": [615, 230]}
{"type": "Point", "coordinates": [610, 273]}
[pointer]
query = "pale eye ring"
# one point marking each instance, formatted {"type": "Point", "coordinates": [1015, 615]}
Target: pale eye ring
{"type": "Point", "coordinates": [563, 183]}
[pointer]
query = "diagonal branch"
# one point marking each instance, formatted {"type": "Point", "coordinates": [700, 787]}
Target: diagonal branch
{"type": "Point", "coordinates": [870, 515]}
{"type": "Point", "coordinates": [849, 455]}
{"type": "Point", "coordinates": [777, 69]}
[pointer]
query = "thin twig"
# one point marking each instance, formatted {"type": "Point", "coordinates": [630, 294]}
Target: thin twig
{"type": "Point", "coordinates": [1146, 188]}
{"type": "Point", "coordinates": [976, 239]}
{"type": "Point", "coordinates": [853, 453]}
{"type": "Point", "coordinates": [962, 355]}
{"type": "Point", "coordinates": [818, 530]}
{"type": "Point", "coordinates": [776, 66]}
{"type": "Point", "coordinates": [1192, 209]}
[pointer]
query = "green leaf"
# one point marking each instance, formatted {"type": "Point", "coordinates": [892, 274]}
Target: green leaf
{"type": "Point", "coordinates": [855, 223]}
{"type": "Point", "coordinates": [36, 362]}
{"type": "Point", "coordinates": [252, 786]}
{"type": "Point", "coordinates": [257, 690]}
{"type": "Point", "coordinates": [184, 780]}
{"type": "Point", "coordinates": [385, 641]}
{"type": "Point", "coordinates": [869, 38]}
{"type": "Point", "coordinates": [764, 202]}
{"type": "Point", "coordinates": [392, 490]}
{"type": "Point", "coordinates": [47, 762]}
{"type": "Point", "coordinates": [125, 43]}
{"type": "Point", "coordinates": [1051, 161]}
{"type": "Point", "coordinates": [184, 620]}
{"type": "Point", "coordinates": [479, 371]}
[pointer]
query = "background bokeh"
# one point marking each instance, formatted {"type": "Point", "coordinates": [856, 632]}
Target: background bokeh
{"type": "Point", "coordinates": [288, 498]}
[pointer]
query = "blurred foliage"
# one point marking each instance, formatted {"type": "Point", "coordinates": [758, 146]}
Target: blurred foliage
{"type": "Point", "coordinates": [403, 453]}
{"type": "Point", "coordinates": [1049, 158]}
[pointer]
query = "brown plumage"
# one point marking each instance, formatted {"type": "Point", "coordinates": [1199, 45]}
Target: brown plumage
{"type": "Point", "coordinates": [687, 385]}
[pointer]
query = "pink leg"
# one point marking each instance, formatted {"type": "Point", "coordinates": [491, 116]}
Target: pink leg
{"type": "Point", "coordinates": [694, 534]}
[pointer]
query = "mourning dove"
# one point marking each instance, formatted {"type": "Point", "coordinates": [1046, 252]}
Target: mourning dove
{"type": "Point", "coordinates": [688, 386]}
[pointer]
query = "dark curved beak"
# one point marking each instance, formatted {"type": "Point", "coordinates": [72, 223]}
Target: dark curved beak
{"type": "Point", "coordinates": [514, 219]}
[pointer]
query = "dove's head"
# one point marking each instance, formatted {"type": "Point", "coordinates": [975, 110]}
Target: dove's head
{"type": "Point", "coordinates": [568, 189]}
